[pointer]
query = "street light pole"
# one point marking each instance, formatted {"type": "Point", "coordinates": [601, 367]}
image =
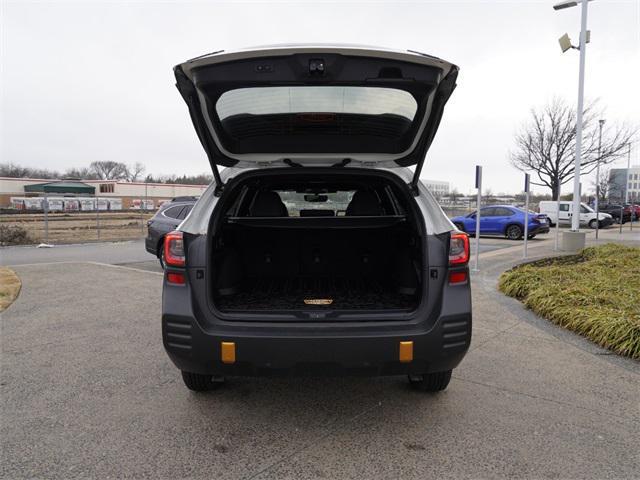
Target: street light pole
{"type": "Point", "coordinates": [601, 123]}
{"type": "Point", "coordinates": [575, 220]}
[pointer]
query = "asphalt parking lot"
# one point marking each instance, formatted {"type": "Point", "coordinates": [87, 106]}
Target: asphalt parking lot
{"type": "Point", "coordinates": [87, 391]}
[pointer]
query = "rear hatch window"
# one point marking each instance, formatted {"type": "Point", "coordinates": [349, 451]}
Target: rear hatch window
{"type": "Point", "coordinates": [316, 119]}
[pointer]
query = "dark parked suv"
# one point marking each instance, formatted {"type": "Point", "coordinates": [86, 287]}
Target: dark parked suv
{"type": "Point", "coordinates": [166, 220]}
{"type": "Point", "coordinates": [616, 212]}
{"type": "Point", "coordinates": [316, 251]}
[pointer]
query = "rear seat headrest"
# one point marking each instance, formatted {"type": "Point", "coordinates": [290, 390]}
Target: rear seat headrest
{"type": "Point", "coordinates": [268, 204]}
{"type": "Point", "coordinates": [364, 203]}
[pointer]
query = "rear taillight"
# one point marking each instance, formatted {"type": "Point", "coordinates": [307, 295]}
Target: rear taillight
{"type": "Point", "coordinates": [458, 249]}
{"type": "Point", "coordinates": [174, 249]}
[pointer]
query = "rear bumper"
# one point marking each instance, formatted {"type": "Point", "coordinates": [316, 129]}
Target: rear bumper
{"type": "Point", "coordinates": [195, 350]}
{"type": "Point", "coordinates": [151, 245]}
{"type": "Point", "coordinates": [541, 229]}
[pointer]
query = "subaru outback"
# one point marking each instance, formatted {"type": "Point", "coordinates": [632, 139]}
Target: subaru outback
{"type": "Point", "coordinates": [316, 251]}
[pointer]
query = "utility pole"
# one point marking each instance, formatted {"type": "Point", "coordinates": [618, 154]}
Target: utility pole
{"type": "Point", "coordinates": [575, 220]}
{"type": "Point", "coordinates": [573, 239]}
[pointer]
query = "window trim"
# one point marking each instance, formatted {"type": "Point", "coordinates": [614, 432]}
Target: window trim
{"type": "Point", "coordinates": [172, 207]}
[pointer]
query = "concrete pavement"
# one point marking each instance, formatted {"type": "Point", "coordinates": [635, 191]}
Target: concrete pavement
{"type": "Point", "coordinates": [87, 391]}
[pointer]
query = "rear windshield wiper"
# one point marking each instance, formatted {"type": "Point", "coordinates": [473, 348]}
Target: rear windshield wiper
{"type": "Point", "coordinates": [288, 161]}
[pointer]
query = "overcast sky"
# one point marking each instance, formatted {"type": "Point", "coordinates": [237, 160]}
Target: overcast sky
{"type": "Point", "coordinates": [86, 81]}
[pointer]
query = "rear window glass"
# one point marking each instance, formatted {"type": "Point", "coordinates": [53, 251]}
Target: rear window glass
{"type": "Point", "coordinates": [323, 119]}
{"type": "Point", "coordinates": [357, 100]}
{"type": "Point", "coordinates": [331, 204]}
{"type": "Point", "coordinates": [173, 212]}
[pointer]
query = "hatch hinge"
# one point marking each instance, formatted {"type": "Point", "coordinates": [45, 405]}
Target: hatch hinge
{"type": "Point", "coordinates": [217, 191]}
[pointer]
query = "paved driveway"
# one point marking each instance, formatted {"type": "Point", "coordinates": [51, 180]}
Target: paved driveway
{"type": "Point", "coordinates": [87, 391]}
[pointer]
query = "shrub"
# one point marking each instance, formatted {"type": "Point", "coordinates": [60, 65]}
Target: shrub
{"type": "Point", "coordinates": [14, 235]}
{"type": "Point", "coordinates": [595, 293]}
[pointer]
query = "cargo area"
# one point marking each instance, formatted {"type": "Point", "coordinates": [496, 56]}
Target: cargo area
{"type": "Point", "coordinates": [309, 243]}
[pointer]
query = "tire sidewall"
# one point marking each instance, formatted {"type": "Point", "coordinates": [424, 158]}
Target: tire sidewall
{"type": "Point", "coordinates": [511, 228]}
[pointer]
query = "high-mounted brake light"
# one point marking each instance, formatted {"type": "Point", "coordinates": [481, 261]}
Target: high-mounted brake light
{"type": "Point", "coordinates": [458, 248]}
{"type": "Point", "coordinates": [174, 249]}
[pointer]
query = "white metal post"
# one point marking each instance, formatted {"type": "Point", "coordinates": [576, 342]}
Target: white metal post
{"type": "Point", "coordinates": [556, 247]}
{"type": "Point", "coordinates": [97, 219]}
{"type": "Point", "coordinates": [526, 214]}
{"type": "Point", "coordinates": [601, 122]}
{"type": "Point", "coordinates": [478, 202]}
{"type": "Point", "coordinates": [45, 205]}
{"type": "Point", "coordinates": [626, 184]}
{"type": "Point", "coordinates": [575, 220]}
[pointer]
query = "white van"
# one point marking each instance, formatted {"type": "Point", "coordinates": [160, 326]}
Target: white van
{"type": "Point", "coordinates": [587, 214]}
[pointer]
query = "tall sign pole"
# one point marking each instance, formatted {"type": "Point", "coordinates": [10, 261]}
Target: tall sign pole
{"type": "Point", "coordinates": [526, 213]}
{"type": "Point", "coordinates": [478, 202]}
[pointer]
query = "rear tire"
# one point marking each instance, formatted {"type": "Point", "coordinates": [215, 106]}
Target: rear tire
{"type": "Point", "coordinates": [514, 232]}
{"type": "Point", "coordinates": [199, 383]}
{"type": "Point", "coordinates": [532, 236]}
{"type": "Point", "coordinates": [430, 382]}
{"type": "Point", "coordinates": [593, 224]}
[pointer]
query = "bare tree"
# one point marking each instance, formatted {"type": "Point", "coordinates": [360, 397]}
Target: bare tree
{"type": "Point", "coordinates": [16, 171]}
{"type": "Point", "coordinates": [487, 197]}
{"type": "Point", "coordinates": [546, 144]}
{"type": "Point", "coordinates": [82, 173]}
{"type": "Point", "coordinates": [109, 170]}
{"type": "Point", "coordinates": [455, 195]}
{"type": "Point", "coordinates": [135, 171]}
{"type": "Point", "coordinates": [602, 187]}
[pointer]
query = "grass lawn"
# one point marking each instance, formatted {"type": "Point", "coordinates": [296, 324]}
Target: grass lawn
{"type": "Point", "coordinates": [595, 293]}
{"type": "Point", "coordinates": [9, 287]}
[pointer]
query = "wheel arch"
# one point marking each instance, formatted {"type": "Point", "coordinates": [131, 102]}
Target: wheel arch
{"type": "Point", "coordinates": [512, 223]}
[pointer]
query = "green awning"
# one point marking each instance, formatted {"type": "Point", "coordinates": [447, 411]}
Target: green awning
{"type": "Point", "coordinates": [61, 187]}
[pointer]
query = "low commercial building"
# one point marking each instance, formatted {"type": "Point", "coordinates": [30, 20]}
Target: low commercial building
{"type": "Point", "coordinates": [130, 194]}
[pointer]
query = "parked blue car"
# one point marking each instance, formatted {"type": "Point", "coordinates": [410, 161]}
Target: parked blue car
{"type": "Point", "coordinates": [503, 220]}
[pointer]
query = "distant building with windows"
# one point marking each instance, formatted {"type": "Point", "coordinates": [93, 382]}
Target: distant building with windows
{"type": "Point", "coordinates": [436, 187]}
{"type": "Point", "coordinates": [131, 194]}
{"type": "Point", "coordinates": [623, 179]}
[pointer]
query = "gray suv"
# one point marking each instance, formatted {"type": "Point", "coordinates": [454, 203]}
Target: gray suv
{"type": "Point", "coordinates": [166, 219]}
{"type": "Point", "coordinates": [316, 251]}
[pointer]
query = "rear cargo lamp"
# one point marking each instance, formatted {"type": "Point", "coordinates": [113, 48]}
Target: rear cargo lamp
{"type": "Point", "coordinates": [174, 249]}
{"type": "Point", "coordinates": [458, 248]}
